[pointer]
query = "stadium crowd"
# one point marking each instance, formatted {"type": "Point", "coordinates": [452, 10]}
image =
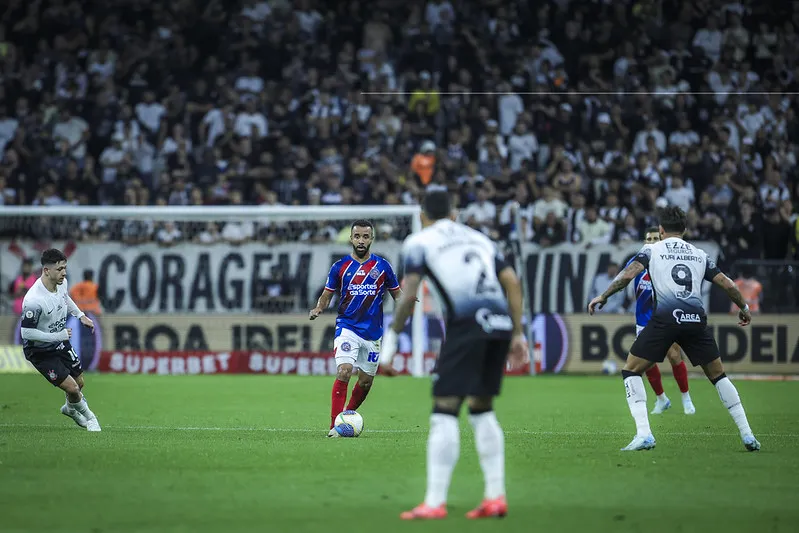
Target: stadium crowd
{"type": "Point", "coordinates": [588, 113]}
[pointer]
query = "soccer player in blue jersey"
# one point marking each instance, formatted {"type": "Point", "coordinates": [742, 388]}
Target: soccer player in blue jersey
{"type": "Point", "coordinates": [644, 304]}
{"type": "Point", "coordinates": [361, 279]}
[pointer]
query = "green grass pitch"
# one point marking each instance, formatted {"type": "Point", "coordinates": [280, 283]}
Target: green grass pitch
{"type": "Point", "coordinates": [249, 453]}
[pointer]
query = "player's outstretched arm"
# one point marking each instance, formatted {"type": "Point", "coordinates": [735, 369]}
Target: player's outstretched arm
{"type": "Point", "coordinates": [622, 280]}
{"type": "Point", "coordinates": [723, 281]}
{"type": "Point", "coordinates": [321, 304]}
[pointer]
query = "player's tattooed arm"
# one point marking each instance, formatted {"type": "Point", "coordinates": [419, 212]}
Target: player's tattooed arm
{"type": "Point", "coordinates": [406, 301]}
{"type": "Point", "coordinates": [623, 279]}
{"type": "Point", "coordinates": [723, 281]}
{"type": "Point", "coordinates": [620, 282]}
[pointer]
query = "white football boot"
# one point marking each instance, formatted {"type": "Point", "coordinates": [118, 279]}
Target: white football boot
{"type": "Point", "coordinates": [79, 419]}
{"type": "Point", "coordinates": [646, 442]}
{"type": "Point", "coordinates": [661, 405]}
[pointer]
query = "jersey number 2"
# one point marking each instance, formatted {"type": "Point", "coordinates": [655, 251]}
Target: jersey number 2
{"type": "Point", "coordinates": [483, 285]}
{"type": "Point", "coordinates": [681, 275]}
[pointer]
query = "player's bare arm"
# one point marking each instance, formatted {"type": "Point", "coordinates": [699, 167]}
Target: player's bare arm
{"type": "Point", "coordinates": [622, 280]}
{"type": "Point", "coordinates": [518, 354]}
{"type": "Point", "coordinates": [723, 281]}
{"type": "Point", "coordinates": [321, 304]}
{"type": "Point", "coordinates": [397, 294]}
{"type": "Point", "coordinates": [405, 300]}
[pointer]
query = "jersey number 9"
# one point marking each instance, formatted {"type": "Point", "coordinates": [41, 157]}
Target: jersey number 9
{"type": "Point", "coordinates": [681, 275]}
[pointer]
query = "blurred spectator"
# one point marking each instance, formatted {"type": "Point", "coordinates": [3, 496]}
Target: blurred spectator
{"type": "Point", "coordinates": [751, 290]}
{"type": "Point", "coordinates": [594, 106]}
{"type": "Point", "coordinates": [22, 284]}
{"type": "Point", "coordinates": [594, 230]}
{"type": "Point", "coordinates": [551, 232]}
{"type": "Point", "coordinates": [84, 294]}
{"type": "Point", "coordinates": [776, 235]}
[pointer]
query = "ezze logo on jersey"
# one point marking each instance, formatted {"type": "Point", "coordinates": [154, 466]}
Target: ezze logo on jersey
{"type": "Point", "coordinates": [682, 317]}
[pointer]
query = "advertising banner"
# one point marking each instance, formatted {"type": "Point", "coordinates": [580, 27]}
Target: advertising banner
{"type": "Point", "coordinates": [770, 345]}
{"type": "Point", "coordinates": [238, 362]}
{"type": "Point", "coordinates": [12, 361]}
{"type": "Point", "coordinates": [219, 279]}
{"type": "Point", "coordinates": [563, 343]}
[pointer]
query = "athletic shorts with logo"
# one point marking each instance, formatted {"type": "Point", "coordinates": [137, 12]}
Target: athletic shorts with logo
{"type": "Point", "coordinates": [56, 365]}
{"type": "Point", "coordinates": [695, 339]}
{"type": "Point", "coordinates": [360, 353]}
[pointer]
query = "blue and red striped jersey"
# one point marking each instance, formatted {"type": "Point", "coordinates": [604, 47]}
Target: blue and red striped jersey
{"type": "Point", "coordinates": [644, 302]}
{"type": "Point", "coordinates": [361, 287]}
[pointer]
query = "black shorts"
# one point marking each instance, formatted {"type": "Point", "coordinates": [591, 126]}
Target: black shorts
{"type": "Point", "coordinates": [470, 363]}
{"type": "Point", "coordinates": [57, 365]}
{"type": "Point", "coordinates": [656, 338]}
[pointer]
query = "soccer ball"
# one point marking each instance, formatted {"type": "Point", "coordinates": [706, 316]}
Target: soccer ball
{"type": "Point", "coordinates": [609, 366]}
{"type": "Point", "coordinates": [349, 424]}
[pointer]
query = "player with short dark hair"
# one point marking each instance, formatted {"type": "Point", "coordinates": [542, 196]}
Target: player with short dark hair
{"type": "Point", "coordinates": [361, 279]}
{"type": "Point", "coordinates": [677, 270]}
{"type": "Point", "coordinates": [644, 304]}
{"type": "Point", "coordinates": [45, 339]}
{"type": "Point", "coordinates": [484, 307]}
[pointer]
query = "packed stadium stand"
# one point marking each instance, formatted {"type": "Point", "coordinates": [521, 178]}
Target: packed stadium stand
{"type": "Point", "coordinates": [590, 114]}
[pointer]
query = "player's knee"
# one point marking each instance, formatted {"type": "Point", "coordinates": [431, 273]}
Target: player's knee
{"type": "Point", "coordinates": [636, 365]}
{"type": "Point", "coordinates": [480, 404]}
{"type": "Point", "coordinates": [365, 381]}
{"type": "Point", "coordinates": [447, 405]}
{"type": "Point", "coordinates": [344, 372]}
{"type": "Point", "coordinates": [79, 381]}
{"type": "Point", "coordinates": [713, 370]}
{"type": "Point", "coordinates": [70, 386]}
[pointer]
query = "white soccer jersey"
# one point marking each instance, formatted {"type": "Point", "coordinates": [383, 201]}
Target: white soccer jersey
{"type": "Point", "coordinates": [47, 312]}
{"type": "Point", "coordinates": [463, 265]}
{"type": "Point", "coordinates": [677, 269]}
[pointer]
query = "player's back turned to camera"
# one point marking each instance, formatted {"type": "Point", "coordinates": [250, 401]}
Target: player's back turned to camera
{"type": "Point", "coordinates": [677, 269]}
{"type": "Point", "coordinates": [45, 337]}
{"type": "Point", "coordinates": [644, 306]}
{"type": "Point", "coordinates": [483, 303]}
{"type": "Point", "coordinates": [361, 280]}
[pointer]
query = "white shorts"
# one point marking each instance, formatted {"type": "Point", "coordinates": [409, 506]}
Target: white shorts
{"type": "Point", "coordinates": [360, 353]}
{"type": "Point", "coordinates": [638, 330]}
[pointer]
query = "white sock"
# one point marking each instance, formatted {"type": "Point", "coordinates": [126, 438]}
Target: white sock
{"type": "Point", "coordinates": [83, 408]}
{"type": "Point", "coordinates": [686, 397]}
{"type": "Point", "coordinates": [662, 398]}
{"type": "Point", "coordinates": [636, 400]}
{"type": "Point", "coordinates": [729, 397]}
{"type": "Point", "coordinates": [443, 449]}
{"type": "Point", "coordinates": [490, 443]}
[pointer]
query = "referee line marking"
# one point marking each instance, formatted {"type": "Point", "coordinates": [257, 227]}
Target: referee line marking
{"type": "Point", "coordinates": [385, 431]}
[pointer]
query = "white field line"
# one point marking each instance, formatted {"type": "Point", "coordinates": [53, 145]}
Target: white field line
{"type": "Point", "coordinates": [322, 431]}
